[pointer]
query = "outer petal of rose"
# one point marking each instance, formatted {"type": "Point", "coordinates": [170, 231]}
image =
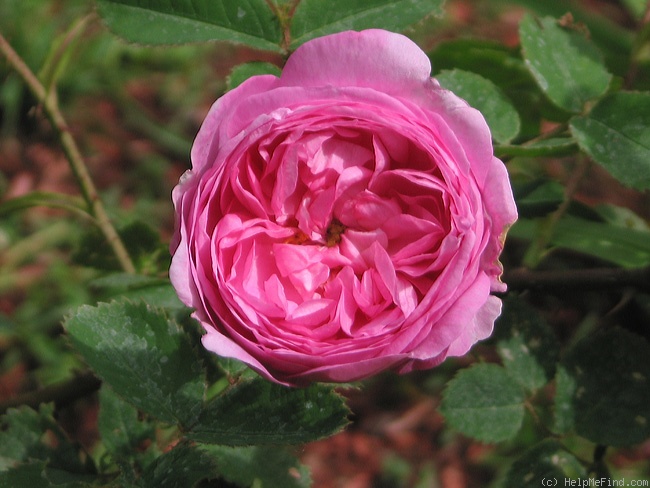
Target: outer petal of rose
{"type": "Point", "coordinates": [464, 130]}
{"type": "Point", "coordinates": [225, 347]}
{"type": "Point", "coordinates": [418, 365]}
{"type": "Point", "coordinates": [376, 59]}
{"type": "Point", "coordinates": [342, 373]}
{"type": "Point", "coordinates": [500, 204]}
{"type": "Point", "coordinates": [180, 273]}
{"type": "Point", "coordinates": [219, 124]}
{"type": "Point", "coordinates": [498, 198]}
{"type": "Point", "coordinates": [449, 328]}
{"type": "Point", "coordinates": [473, 134]}
{"type": "Point", "coordinates": [479, 328]}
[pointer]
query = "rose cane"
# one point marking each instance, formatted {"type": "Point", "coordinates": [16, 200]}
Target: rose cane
{"type": "Point", "coordinates": [343, 219]}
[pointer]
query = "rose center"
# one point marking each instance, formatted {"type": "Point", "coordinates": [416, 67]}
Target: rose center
{"type": "Point", "coordinates": [333, 233]}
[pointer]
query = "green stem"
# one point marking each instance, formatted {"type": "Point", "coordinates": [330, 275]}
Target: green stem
{"type": "Point", "coordinates": [72, 153]}
{"type": "Point", "coordinates": [547, 135]}
{"type": "Point", "coordinates": [503, 153]}
{"type": "Point", "coordinates": [537, 249]}
{"type": "Point", "coordinates": [284, 14]}
{"type": "Point", "coordinates": [49, 73]}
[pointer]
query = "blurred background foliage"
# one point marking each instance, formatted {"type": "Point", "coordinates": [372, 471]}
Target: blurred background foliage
{"type": "Point", "coordinates": [134, 111]}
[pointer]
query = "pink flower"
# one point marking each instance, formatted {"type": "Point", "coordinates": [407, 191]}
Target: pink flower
{"type": "Point", "coordinates": [343, 219]}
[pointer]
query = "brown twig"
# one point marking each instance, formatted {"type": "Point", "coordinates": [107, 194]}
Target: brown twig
{"type": "Point", "coordinates": [579, 279]}
{"type": "Point", "coordinates": [71, 150]}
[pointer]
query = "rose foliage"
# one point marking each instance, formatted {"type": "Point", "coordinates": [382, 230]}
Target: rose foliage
{"type": "Point", "coordinates": [344, 218]}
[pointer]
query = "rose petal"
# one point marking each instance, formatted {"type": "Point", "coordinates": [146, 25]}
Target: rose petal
{"type": "Point", "coordinates": [375, 59]}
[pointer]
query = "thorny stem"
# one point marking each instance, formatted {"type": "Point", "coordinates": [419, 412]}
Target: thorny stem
{"type": "Point", "coordinates": [72, 153]}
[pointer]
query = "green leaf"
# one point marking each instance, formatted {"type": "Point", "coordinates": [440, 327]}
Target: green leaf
{"type": "Point", "coordinates": [624, 247]}
{"type": "Point", "coordinates": [64, 479]}
{"type": "Point", "coordinates": [146, 358]}
{"type": "Point", "coordinates": [260, 412]}
{"type": "Point", "coordinates": [36, 474]}
{"type": "Point", "coordinates": [527, 346]}
{"type": "Point", "coordinates": [503, 67]}
{"type": "Point", "coordinates": [604, 390]}
{"type": "Point", "coordinates": [242, 72]}
{"type": "Point", "coordinates": [494, 61]}
{"type": "Point", "coordinates": [546, 464]}
{"type": "Point", "coordinates": [154, 22]}
{"type": "Point", "coordinates": [485, 96]}
{"type": "Point", "coordinates": [270, 467]}
{"type": "Point", "coordinates": [183, 466]}
{"type": "Point", "coordinates": [315, 18]}
{"type": "Point", "coordinates": [484, 402]}
{"type": "Point", "coordinates": [611, 37]}
{"type": "Point", "coordinates": [24, 476]}
{"type": "Point", "coordinates": [119, 427]}
{"type": "Point", "coordinates": [234, 369]}
{"type": "Point", "coordinates": [565, 388]}
{"type": "Point", "coordinates": [567, 66]}
{"type": "Point", "coordinates": [622, 217]}
{"type": "Point", "coordinates": [616, 134]}
{"type": "Point", "coordinates": [22, 439]}
{"type": "Point", "coordinates": [538, 198]}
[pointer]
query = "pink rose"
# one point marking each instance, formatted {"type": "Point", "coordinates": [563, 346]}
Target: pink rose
{"type": "Point", "coordinates": [343, 219]}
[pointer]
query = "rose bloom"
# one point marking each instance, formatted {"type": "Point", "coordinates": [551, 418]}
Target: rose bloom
{"type": "Point", "coordinates": [343, 219]}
